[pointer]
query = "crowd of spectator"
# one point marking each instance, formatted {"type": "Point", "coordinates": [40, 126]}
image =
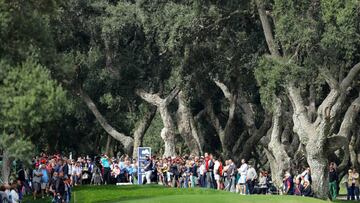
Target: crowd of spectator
{"type": "Point", "coordinates": [56, 175]}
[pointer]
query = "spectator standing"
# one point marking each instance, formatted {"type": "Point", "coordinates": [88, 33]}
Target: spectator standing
{"type": "Point", "coordinates": [230, 176]}
{"type": "Point", "coordinates": [288, 184]}
{"type": "Point", "coordinates": [52, 184]}
{"type": "Point", "coordinates": [355, 182]}
{"type": "Point", "coordinates": [148, 169]}
{"type": "Point", "coordinates": [60, 188]}
{"type": "Point", "coordinates": [106, 165]}
{"type": "Point", "coordinates": [298, 188]}
{"type": "Point", "coordinates": [242, 180]}
{"type": "Point", "coordinates": [251, 177]}
{"type": "Point", "coordinates": [44, 180]}
{"type": "Point", "coordinates": [202, 173]}
{"type": "Point", "coordinates": [263, 183]}
{"type": "Point", "coordinates": [333, 178]}
{"type": "Point", "coordinates": [353, 185]}
{"type": "Point", "coordinates": [218, 173]}
{"type": "Point", "coordinates": [193, 173]}
{"type": "Point", "coordinates": [36, 180]}
{"type": "Point", "coordinates": [306, 175]}
{"type": "Point", "coordinates": [76, 173]}
{"type": "Point", "coordinates": [210, 171]}
{"type": "Point", "coordinates": [96, 177]}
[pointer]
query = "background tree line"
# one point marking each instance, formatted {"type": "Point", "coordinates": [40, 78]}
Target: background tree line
{"type": "Point", "coordinates": [270, 80]}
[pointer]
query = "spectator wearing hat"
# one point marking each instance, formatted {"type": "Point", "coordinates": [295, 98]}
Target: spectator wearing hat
{"type": "Point", "coordinates": [288, 184]}
{"type": "Point", "coordinates": [44, 179]}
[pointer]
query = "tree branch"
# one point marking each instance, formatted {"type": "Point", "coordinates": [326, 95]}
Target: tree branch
{"type": "Point", "coordinates": [353, 73]}
{"type": "Point", "coordinates": [125, 140]}
{"type": "Point", "coordinates": [273, 48]}
{"type": "Point", "coordinates": [297, 102]}
{"type": "Point", "coordinates": [349, 119]}
{"type": "Point", "coordinates": [153, 99]}
{"type": "Point", "coordinates": [171, 96]}
{"type": "Point", "coordinates": [224, 89]}
{"type": "Point", "coordinates": [330, 80]}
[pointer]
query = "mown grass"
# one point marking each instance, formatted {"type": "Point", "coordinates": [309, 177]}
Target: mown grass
{"type": "Point", "coordinates": [159, 194]}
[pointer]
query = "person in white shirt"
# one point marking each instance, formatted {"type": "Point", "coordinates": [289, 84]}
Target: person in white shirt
{"type": "Point", "coordinates": [202, 173]}
{"type": "Point", "coordinates": [251, 177]}
{"type": "Point", "coordinates": [76, 173]}
{"type": "Point", "coordinates": [217, 174]}
{"type": "Point", "coordinates": [241, 186]}
{"type": "Point", "coordinates": [306, 175]}
{"type": "Point", "coordinates": [14, 196]}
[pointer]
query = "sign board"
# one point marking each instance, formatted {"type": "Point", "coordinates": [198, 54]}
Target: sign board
{"type": "Point", "coordinates": [142, 153]}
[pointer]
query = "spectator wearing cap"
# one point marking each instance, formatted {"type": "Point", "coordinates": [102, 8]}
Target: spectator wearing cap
{"type": "Point", "coordinates": [288, 184]}
{"type": "Point", "coordinates": [44, 179]}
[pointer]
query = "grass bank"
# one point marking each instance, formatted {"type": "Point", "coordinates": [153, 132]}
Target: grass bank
{"type": "Point", "coordinates": [159, 194]}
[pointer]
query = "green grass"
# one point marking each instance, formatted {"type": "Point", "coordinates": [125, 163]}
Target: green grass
{"type": "Point", "coordinates": [159, 194]}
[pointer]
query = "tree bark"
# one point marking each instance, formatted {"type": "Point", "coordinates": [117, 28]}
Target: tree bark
{"type": "Point", "coordinates": [316, 135]}
{"type": "Point", "coordinates": [168, 132]}
{"type": "Point", "coordinates": [186, 129]}
{"type": "Point", "coordinates": [126, 141]}
{"type": "Point", "coordinates": [6, 167]}
{"type": "Point", "coordinates": [108, 145]}
{"type": "Point", "coordinates": [279, 160]}
{"type": "Point", "coordinates": [273, 48]}
{"type": "Point", "coordinates": [224, 132]}
{"type": "Point", "coordinates": [253, 140]}
{"type": "Point", "coordinates": [314, 139]}
{"type": "Point", "coordinates": [141, 129]}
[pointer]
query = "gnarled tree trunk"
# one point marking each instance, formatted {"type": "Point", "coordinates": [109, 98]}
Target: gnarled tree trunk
{"type": "Point", "coordinates": [142, 128]}
{"type": "Point", "coordinates": [6, 167]}
{"type": "Point", "coordinates": [276, 152]}
{"type": "Point", "coordinates": [185, 127]}
{"type": "Point", "coordinates": [126, 141]}
{"type": "Point", "coordinates": [168, 132]}
{"type": "Point", "coordinates": [224, 133]}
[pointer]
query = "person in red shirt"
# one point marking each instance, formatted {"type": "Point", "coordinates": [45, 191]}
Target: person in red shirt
{"type": "Point", "coordinates": [206, 158]}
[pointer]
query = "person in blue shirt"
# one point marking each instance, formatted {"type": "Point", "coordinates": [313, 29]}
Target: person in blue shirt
{"type": "Point", "coordinates": [107, 171]}
{"type": "Point", "coordinates": [44, 179]}
{"type": "Point", "coordinates": [129, 170]}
